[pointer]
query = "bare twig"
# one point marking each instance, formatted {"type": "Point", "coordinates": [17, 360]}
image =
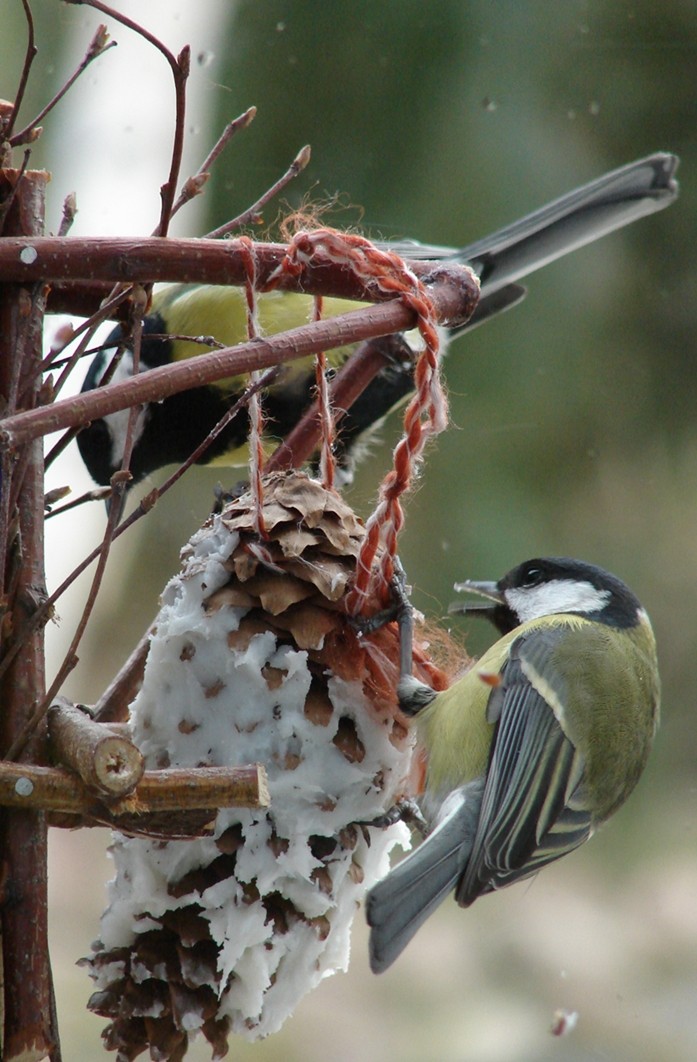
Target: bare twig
{"type": "Point", "coordinates": [179, 66]}
{"type": "Point", "coordinates": [55, 451]}
{"type": "Point", "coordinates": [193, 186]}
{"type": "Point", "coordinates": [99, 44]}
{"type": "Point", "coordinates": [29, 56]}
{"type": "Point", "coordinates": [168, 191]}
{"type": "Point", "coordinates": [113, 704]}
{"type": "Point", "coordinates": [68, 215]}
{"type": "Point", "coordinates": [350, 382]}
{"type": "Point", "coordinates": [104, 313]}
{"type": "Point", "coordinates": [9, 198]}
{"type": "Point", "coordinates": [252, 215]}
{"type": "Point", "coordinates": [98, 494]}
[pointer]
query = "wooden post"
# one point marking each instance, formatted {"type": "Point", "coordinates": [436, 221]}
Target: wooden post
{"type": "Point", "coordinates": [30, 1031]}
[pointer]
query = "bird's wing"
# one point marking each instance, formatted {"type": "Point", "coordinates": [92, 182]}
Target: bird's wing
{"type": "Point", "coordinates": [532, 808]}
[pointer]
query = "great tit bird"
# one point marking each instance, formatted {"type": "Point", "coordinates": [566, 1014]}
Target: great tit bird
{"type": "Point", "coordinates": [534, 747]}
{"type": "Point", "coordinates": [168, 431]}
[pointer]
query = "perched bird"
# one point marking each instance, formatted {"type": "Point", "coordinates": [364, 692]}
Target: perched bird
{"type": "Point", "coordinates": [167, 432]}
{"type": "Point", "coordinates": [536, 745]}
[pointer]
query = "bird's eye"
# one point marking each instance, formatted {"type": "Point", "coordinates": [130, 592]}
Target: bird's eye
{"type": "Point", "coordinates": [532, 577]}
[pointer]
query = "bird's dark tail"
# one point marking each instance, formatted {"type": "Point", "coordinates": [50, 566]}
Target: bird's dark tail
{"type": "Point", "coordinates": [397, 906]}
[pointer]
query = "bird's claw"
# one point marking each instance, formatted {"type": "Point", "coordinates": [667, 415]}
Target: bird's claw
{"type": "Point", "coordinates": [406, 810]}
{"type": "Point", "coordinates": [399, 607]}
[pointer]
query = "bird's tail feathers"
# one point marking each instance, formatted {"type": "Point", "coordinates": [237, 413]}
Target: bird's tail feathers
{"type": "Point", "coordinates": [399, 904]}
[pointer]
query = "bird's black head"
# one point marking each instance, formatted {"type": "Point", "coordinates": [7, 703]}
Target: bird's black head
{"type": "Point", "coordinates": [546, 586]}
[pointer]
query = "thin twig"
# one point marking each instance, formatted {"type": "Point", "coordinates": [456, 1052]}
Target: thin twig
{"type": "Point", "coordinates": [98, 494]}
{"type": "Point", "coordinates": [6, 204]}
{"type": "Point", "coordinates": [29, 56]}
{"type": "Point", "coordinates": [169, 188]}
{"type": "Point", "coordinates": [252, 216]}
{"type": "Point", "coordinates": [179, 66]}
{"type": "Point", "coordinates": [98, 45]}
{"type": "Point", "coordinates": [68, 215]}
{"type": "Point", "coordinates": [104, 313]}
{"type": "Point", "coordinates": [58, 448]}
{"type": "Point", "coordinates": [113, 704]}
{"type": "Point", "coordinates": [193, 186]}
{"type": "Point", "coordinates": [83, 348]}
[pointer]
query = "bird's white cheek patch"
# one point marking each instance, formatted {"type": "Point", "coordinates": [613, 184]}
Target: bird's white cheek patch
{"type": "Point", "coordinates": [118, 428]}
{"type": "Point", "coordinates": [555, 596]}
{"type": "Point", "coordinates": [117, 423]}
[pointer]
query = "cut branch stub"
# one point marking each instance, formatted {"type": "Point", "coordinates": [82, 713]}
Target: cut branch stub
{"type": "Point", "coordinates": [109, 764]}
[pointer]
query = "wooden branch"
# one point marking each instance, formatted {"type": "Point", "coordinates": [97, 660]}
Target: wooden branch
{"type": "Point", "coordinates": [151, 259]}
{"type": "Point", "coordinates": [110, 765]}
{"type": "Point", "coordinates": [112, 706]}
{"type": "Point", "coordinates": [30, 1031]}
{"type": "Point", "coordinates": [353, 378]}
{"type": "Point", "coordinates": [172, 792]}
{"type": "Point", "coordinates": [454, 294]}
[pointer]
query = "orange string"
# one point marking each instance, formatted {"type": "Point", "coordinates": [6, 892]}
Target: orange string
{"type": "Point", "coordinates": [327, 464]}
{"type": "Point", "coordinates": [427, 412]}
{"type": "Point", "coordinates": [255, 410]}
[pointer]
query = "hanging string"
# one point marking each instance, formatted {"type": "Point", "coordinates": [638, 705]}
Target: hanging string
{"type": "Point", "coordinates": [426, 415]}
{"type": "Point", "coordinates": [255, 410]}
{"type": "Point", "coordinates": [327, 464]}
{"type": "Point", "coordinates": [427, 412]}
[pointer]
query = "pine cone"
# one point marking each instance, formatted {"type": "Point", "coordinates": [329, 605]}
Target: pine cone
{"type": "Point", "coordinates": [254, 660]}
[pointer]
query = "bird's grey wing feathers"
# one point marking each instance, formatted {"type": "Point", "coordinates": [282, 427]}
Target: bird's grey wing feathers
{"type": "Point", "coordinates": [532, 811]}
{"type": "Point", "coordinates": [399, 904]}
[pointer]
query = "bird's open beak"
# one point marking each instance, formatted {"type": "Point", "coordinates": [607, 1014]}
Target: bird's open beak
{"type": "Point", "coordinates": [484, 589]}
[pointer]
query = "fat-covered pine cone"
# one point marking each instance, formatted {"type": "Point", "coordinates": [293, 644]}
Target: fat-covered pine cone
{"type": "Point", "coordinates": [253, 660]}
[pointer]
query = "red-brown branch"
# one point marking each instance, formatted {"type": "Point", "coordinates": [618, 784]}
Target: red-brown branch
{"type": "Point", "coordinates": [352, 379]}
{"type": "Point", "coordinates": [29, 1030]}
{"type": "Point", "coordinates": [87, 262]}
{"type": "Point", "coordinates": [454, 297]}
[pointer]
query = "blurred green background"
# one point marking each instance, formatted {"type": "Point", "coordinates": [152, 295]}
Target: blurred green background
{"type": "Point", "coordinates": [573, 432]}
